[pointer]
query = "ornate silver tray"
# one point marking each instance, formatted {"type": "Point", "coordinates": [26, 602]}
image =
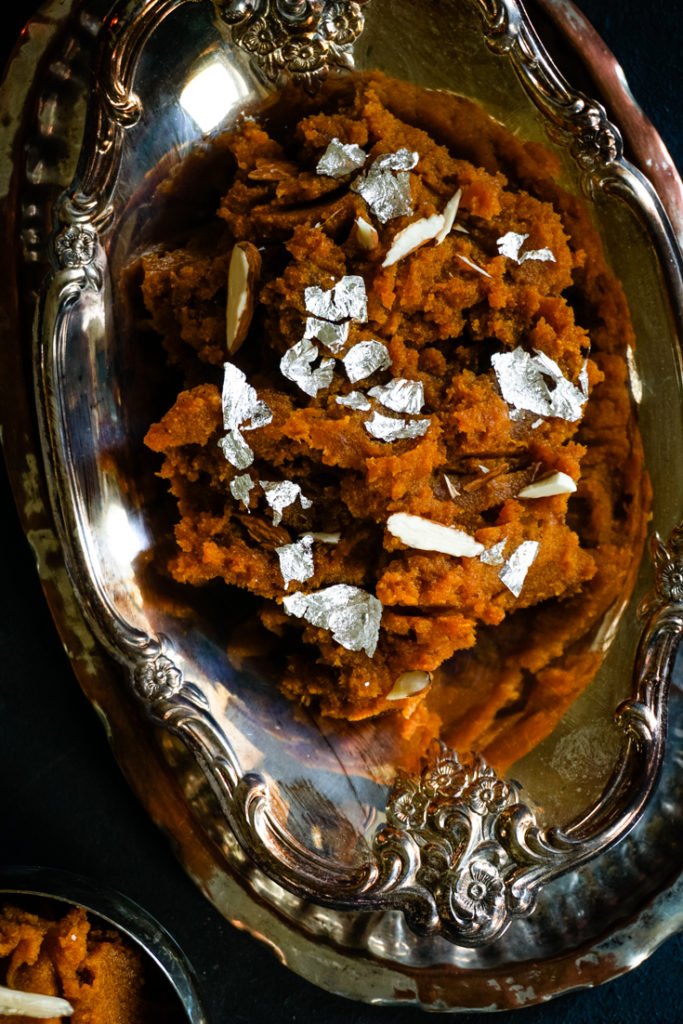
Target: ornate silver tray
{"type": "Point", "coordinates": [453, 888]}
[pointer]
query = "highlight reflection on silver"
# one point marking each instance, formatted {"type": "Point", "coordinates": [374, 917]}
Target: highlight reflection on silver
{"type": "Point", "coordinates": [213, 91]}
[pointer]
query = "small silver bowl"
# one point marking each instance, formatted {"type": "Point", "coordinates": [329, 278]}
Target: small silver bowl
{"type": "Point", "coordinates": [173, 976]}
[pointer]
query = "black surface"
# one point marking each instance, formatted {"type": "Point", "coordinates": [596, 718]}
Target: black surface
{"type": "Point", "coordinates": [64, 803]}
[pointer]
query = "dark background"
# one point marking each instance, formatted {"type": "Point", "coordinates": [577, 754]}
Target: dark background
{"type": "Point", "coordinates": [64, 803]}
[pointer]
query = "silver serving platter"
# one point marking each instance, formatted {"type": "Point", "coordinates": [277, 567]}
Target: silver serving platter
{"type": "Point", "coordinates": [298, 832]}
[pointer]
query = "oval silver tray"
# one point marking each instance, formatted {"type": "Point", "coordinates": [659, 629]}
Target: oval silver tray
{"type": "Point", "coordinates": [294, 830]}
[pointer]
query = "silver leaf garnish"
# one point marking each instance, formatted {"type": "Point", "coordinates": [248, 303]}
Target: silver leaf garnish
{"type": "Point", "coordinates": [523, 381]}
{"type": "Point", "coordinates": [401, 395]}
{"type": "Point", "coordinates": [389, 428]}
{"type": "Point", "coordinates": [346, 300]}
{"type": "Point", "coordinates": [240, 486]}
{"type": "Point", "coordinates": [354, 400]}
{"type": "Point", "coordinates": [510, 244]}
{"type": "Point", "coordinates": [366, 358]}
{"type": "Point", "coordinates": [340, 159]}
{"type": "Point", "coordinates": [517, 566]}
{"type": "Point", "coordinates": [296, 560]}
{"type": "Point", "coordinates": [584, 383]}
{"type": "Point", "coordinates": [332, 336]}
{"type": "Point", "coordinates": [236, 450]}
{"type": "Point", "coordinates": [281, 494]}
{"type": "Point", "coordinates": [633, 376]}
{"type": "Point", "coordinates": [296, 366]}
{"type": "Point", "coordinates": [494, 555]}
{"type": "Point", "coordinates": [242, 410]}
{"type": "Point", "coordinates": [387, 193]}
{"type": "Point", "coordinates": [351, 614]}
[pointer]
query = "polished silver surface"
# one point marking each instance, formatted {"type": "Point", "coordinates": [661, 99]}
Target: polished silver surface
{"type": "Point", "coordinates": [463, 853]}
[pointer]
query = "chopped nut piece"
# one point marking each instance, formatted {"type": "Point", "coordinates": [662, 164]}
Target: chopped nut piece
{"type": "Point", "coordinates": [555, 483]}
{"type": "Point", "coordinates": [30, 1004]}
{"type": "Point", "coordinates": [366, 234]}
{"type": "Point", "coordinates": [472, 265]}
{"type": "Point", "coordinates": [408, 684]}
{"type": "Point", "coordinates": [327, 538]}
{"type": "Point", "coordinates": [412, 237]}
{"type": "Point", "coordinates": [243, 273]}
{"type": "Point", "coordinates": [450, 487]}
{"type": "Point", "coordinates": [425, 535]}
{"type": "Point", "coordinates": [449, 214]}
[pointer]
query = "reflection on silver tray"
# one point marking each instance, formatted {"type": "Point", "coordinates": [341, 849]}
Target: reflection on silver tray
{"type": "Point", "coordinates": [457, 867]}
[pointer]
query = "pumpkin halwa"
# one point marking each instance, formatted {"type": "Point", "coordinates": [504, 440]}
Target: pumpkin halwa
{"type": "Point", "coordinates": [414, 440]}
{"type": "Point", "coordinates": [99, 973]}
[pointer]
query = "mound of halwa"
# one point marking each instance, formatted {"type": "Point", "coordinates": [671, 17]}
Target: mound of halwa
{"type": "Point", "coordinates": [416, 437]}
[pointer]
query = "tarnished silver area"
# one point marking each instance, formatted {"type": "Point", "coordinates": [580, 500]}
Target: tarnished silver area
{"type": "Point", "coordinates": [634, 380]}
{"type": "Point", "coordinates": [346, 300]}
{"type": "Point", "coordinates": [240, 488]}
{"type": "Point", "coordinates": [400, 395]}
{"type": "Point", "coordinates": [302, 39]}
{"type": "Point", "coordinates": [354, 400]}
{"type": "Point", "coordinates": [333, 336]}
{"type": "Point", "coordinates": [366, 358]}
{"type": "Point", "coordinates": [511, 243]}
{"type": "Point", "coordinates": [494, 555]}
{"type": "Point", "coordinates": [525, 380]}
{"type": "Point", "coordinates": [390, 428]}
{"type": "Point", "coordinates": [296, 365]}
{"type": "Point", "coordinates": [341, 159]}
{"type": "Point", "coordinates": [353, 615]}
{"type": "Point", "coordinates": [281, 494]}
{"type": "Point", "coordinates": [242, 410]}
{"type": "Point", "coordinates": [517, 566]}
{"type": "Point", "coordinates": [296, 560]}
{"type": "Point", "coordinates": [388, 193]}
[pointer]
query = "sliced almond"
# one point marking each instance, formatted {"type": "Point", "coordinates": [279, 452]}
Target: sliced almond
{"type": "Point", "coordinates": [425, 535]}
{"type": "Point", "coordinates": [31, 1004]}
{"type": "Point", "coordinates": [474, 266]}
{"type": "Point", "coordinates": [408, 684]}
{"type": "Point", "coordinates": [327, 538]}
{"type": "Point", "coordinates": [245, 267]}
{"type": "Point", "coordinates": [451, 488]}
{"type": "Point", "coordinates": [449, 214]}
{"type": "Point", "coordinates": [412, 237]}
{"type": "Point", "coordinates": [366, 234]}
{"type": "Point", "coordinates": [547, 486]}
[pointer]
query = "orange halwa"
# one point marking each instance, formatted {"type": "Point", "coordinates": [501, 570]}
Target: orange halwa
{"type": "Point", "coordinates": [498, 658]}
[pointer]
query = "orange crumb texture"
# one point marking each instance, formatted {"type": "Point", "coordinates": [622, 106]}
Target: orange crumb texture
{"type": "Point", "coordinates": [503, 667]}
{"type": "Point", "coordinates": [94, 970]}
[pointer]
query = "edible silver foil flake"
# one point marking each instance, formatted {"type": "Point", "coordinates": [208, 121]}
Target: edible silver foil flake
{"type": "Point", "coordinates": [354, 400]}
{"type": "Point", "coordinates": [401, 395]}
{"type": "Point", "coordinates": [340, 159]}
{"type": "Point", "coordinates": [296, 560]}
{"type": "Point", "coordinates": [242, 409]}
{"type": "Point", "coordinates": [494, 554]}
{"type": "Point", "coordinates": [296, 366]}
{"type": "Point", "coordinates": [332, 336]}
{"type": "Point", "coordinates": [240, 486]}
{"type": "Point", "coordinates": [517, 566]}
{"type": "Point", "coordinates": [523, 381]}
{"type": "Point", "coordinates": [634, 376]}
{"type": "Point", "coordinates": [518, 415]}
{"type": "Point", "coordinates": [511, 243]}
{"type": "Point", "coordinates": [389, 428]}
{"type": "Point", "coordinates": [387, 193]}
{"type": "Point", "coordinates": [281, 494]}
{"type": "Point", "coordinates": [366, 358]}
{"type": "Point", "coordinates": [351, 614]}
{"type": "Point", "coordinates": [241, 405]}
{"type": "Point", "coordinates": [236, 450]}
{"type": "Point", "coordinates": [346, 300]}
